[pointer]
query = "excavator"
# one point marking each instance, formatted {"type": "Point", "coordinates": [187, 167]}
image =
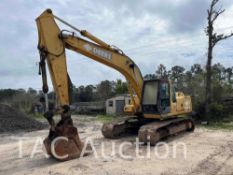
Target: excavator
{"type": "Point", "coordinates": [156, 110]}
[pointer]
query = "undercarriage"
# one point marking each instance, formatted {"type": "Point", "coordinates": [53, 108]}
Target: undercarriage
{"type": "Point", "coordinates": [149, 131]}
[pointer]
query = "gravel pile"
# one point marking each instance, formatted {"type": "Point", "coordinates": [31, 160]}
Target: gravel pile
{"type": "Point", "coordinates": [12, 120]}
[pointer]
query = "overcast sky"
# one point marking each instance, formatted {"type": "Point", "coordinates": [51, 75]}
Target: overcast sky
{"type": "Point", "coordinates": [151, 32]}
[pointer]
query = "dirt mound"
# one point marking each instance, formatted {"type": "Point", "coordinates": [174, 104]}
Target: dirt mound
{"type": "Point", "coordinates": [12, 120]}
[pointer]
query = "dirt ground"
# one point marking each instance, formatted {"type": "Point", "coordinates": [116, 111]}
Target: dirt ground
{"type": "Point", "coordinates": [207, 152]}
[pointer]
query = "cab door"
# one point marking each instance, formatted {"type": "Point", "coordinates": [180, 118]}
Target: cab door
{"type": "Point", "coordinates": [164, 97]}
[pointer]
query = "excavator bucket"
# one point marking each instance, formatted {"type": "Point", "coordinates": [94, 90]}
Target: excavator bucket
{"type": "Point", "coordinates": [66, 145]}
{"type": "Point", "coordinates": [63, 142]}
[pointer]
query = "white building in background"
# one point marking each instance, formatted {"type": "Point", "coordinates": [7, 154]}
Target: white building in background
{"type": "Point", "coordinates": [115, 105]}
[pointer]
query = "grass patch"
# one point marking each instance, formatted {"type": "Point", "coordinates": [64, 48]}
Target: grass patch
{"type": "Point", "coordinates": [37, 116]}
{"type": "Point", "coordinates": [105, 118]}
{"type": "Point", "coordinates": [220, 126]}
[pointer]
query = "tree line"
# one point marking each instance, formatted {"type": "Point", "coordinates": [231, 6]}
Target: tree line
{"type": "Point", "coordinates": [25, 99]}
{"type": "Point", "coordinates": [100, 92]}
{"type": "Point", "coordinates": [191, 81]}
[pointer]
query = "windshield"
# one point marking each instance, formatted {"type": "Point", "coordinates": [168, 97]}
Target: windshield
{"type": "Point", "coordinates": [150, 93]}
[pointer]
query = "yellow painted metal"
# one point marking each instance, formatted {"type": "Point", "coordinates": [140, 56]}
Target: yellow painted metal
{"type": "Point", "coordinates": [96, 50]}
{"type": "Point", "coordinates": [112, 59]}
{"type": "Point", "coordinates": [48, 32]}
{"type": "Point", "coordinates": [95, 39]}
{"type": "Point", "coordinates": [130, 108]}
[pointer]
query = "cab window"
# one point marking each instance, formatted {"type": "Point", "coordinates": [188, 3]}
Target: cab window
{"type": "Point", "coordinates": [173, 94]}
{"type": "Point", "coordinates": [164, 91]}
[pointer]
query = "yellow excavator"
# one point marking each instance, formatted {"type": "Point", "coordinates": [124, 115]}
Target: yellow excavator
{"type": "Point", "coordinates": [156, 109]}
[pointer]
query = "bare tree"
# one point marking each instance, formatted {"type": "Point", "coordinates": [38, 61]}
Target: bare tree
{"type": "Point", "coordinates": [161, 71]}
{"type": "Point", "coordinates": [214, 38]}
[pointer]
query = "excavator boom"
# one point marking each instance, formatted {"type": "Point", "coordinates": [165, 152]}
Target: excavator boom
{"type": "Point", "coordinates": [53, 42]}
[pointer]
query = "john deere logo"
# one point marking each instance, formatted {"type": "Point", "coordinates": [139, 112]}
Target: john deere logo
{"type": "Point", "coordinates": [87, 47]}
{"type": "Point", "coordinates": [98, 52]}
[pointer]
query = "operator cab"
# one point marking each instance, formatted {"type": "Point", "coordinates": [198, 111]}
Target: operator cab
{"type": "Point", "coordinates": [156, 96]}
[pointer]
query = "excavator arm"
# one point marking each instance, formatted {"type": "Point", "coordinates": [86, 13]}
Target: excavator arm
{"type": "Point", "coordinates": [52, 45]}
